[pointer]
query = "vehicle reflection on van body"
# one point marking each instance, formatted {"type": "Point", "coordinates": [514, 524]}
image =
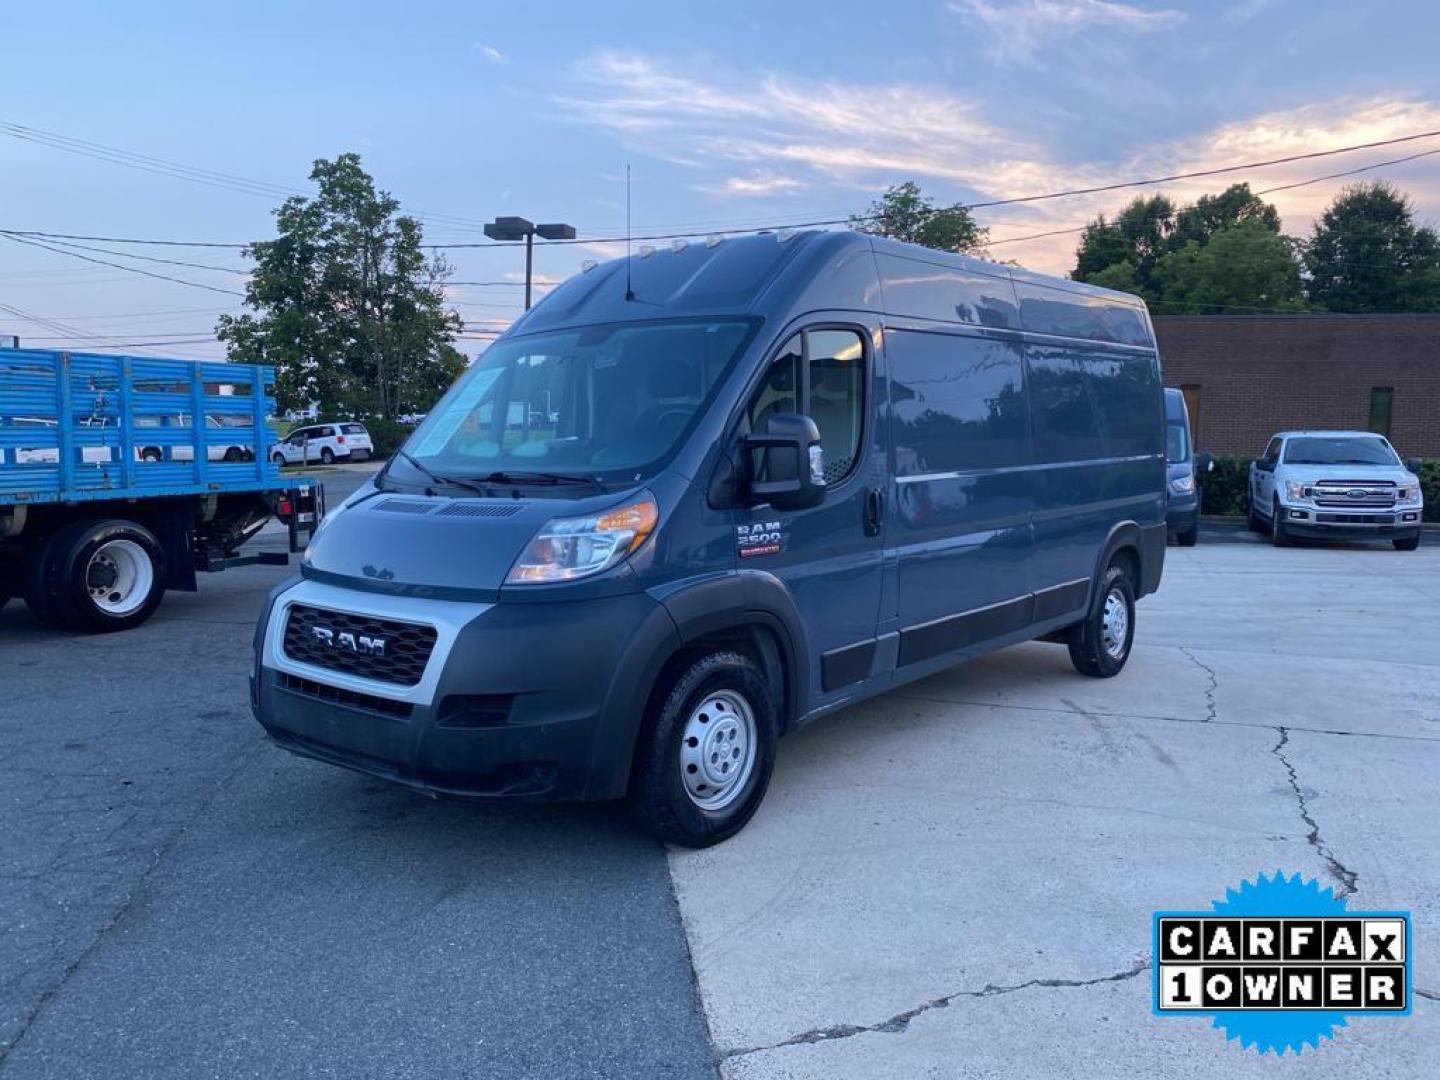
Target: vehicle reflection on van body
{"type": "Point", "coordinates": [688, 504]}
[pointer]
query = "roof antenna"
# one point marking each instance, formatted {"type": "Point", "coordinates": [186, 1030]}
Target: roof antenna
{"type": "Point", "coordinates": [629, 292]}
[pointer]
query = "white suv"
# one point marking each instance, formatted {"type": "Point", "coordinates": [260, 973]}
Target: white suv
{"type": "Point", "coordinates": [327, 443]}
{"type": "Point", "coordinates": [1347, 485]}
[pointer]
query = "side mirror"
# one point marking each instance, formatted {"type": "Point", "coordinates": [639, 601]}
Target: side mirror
{"type": "Point", "coordinates": [790, 471]}
{"type": "Point", "coordinates": [1413, 464]}
{"type": "Point", "coordinates": [1204, 463]}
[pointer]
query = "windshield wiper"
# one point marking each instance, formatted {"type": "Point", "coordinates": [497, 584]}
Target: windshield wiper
{"type": "Point", "coordinates": [451, 481]}
{"type": "Point", "coordinates": [537, 478]}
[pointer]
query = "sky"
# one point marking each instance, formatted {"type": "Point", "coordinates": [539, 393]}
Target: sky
{"type": "Point", "coordinates": [731, 115]}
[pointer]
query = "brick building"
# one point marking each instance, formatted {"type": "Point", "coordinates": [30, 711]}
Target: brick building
{"type": "Point", "coordinates": [1249, 376]}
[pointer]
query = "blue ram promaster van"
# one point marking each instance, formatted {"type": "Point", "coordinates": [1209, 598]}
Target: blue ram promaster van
{"type": "Point", "coordinates": [1183, 466]}
{"type": "Point", "coordinates": [699, 497]}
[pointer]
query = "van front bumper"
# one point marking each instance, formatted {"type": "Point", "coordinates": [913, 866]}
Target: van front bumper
{"type": "Point", "coordinates": [538, 701]}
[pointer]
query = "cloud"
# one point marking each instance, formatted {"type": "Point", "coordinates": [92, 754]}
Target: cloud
{"type": "Point", "coordinates": [839, 144]}
{"type": "Point", "coordinates": [490, 53]}
{"type": "Point", "coordinates": [1018, 29]}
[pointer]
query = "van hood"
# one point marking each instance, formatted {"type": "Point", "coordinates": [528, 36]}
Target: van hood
{"type": "Point", "coordinates": [411, 543]}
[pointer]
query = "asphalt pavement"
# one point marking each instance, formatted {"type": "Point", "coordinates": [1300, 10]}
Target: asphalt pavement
{"type": "Point", "coordinates": [182, 899]}
{"type": "Point", "coordinates": [951, 880]}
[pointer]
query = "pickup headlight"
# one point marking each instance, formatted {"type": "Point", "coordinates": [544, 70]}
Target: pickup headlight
{"type": "Point", "coordinates": [568, 548]}
{"type": "Point", "coordinates": [1183, 485]}
{"type": "Point", "coordinates": [1295, 489]}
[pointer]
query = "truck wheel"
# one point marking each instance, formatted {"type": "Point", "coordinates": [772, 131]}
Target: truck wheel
{"type": "Point", "coordinates": [704, 758]}
{"type": "Point", "coordinates": [150, 453]}
{"type": "Point", "coordinates": [278, 459]}
{"type": "Point", "coordinates": [234, 453]}
{"type": "Point", "coordinates": [1100, 645]}
{"type": "Point", "coordinates": [1278, 536]}
{"type": "Point", "coordinates": [97, 576]}
{"type": "Point", "coordinates": [1406, 543]}
{"type": "Point", "coordinates": [1188, 537]}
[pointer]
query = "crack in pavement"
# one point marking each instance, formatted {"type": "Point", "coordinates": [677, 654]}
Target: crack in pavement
{"type": "Point", "coordinates": [900, 1021]}
{"type": "Point", "coordinates": [1338, 870]}
{"type": "Point", "coordinates": [28, 1018]}
{"type": "Point", "coordinates": [1211, 713]}
{"type": "Point", "coordinates": [1428, 995]}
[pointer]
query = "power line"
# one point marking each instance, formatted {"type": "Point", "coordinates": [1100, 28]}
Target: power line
{"type": "Point", "coordinates": [129, 255]}
{"type": "Point", "coordinates": [121, 266]}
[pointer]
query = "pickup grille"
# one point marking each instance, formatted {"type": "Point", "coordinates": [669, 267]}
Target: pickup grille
{"type": "Point", "coordinates": [363, 645]}
{"type": "Point", "coordinates": [1355, 494]}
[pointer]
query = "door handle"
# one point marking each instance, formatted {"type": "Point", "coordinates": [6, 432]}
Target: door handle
{"type": "Point", "coordinates": [874, 510]}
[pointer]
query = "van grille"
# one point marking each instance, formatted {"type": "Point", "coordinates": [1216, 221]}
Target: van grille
{"type": "Point", "coordinates": [363, 645]}
{"type": "Point", "coordinates": [335, 695]}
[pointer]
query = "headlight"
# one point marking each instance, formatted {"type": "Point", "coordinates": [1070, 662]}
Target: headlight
{"type": "Point", "coordinates": [1182, 484]}
{"type": "Point", "coordinates": [569, 548]}
{"type": "Point", "coordinates": [1295, 489]}
{"type": "Point", "coordinates": [1409, 490]}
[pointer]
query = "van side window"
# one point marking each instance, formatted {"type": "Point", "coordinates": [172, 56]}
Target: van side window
{"type": "Point", "coordinates": [833, 395]}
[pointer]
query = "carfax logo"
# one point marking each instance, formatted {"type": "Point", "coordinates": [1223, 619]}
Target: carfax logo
{"type": "Point", "coordinates": [1279, 964]}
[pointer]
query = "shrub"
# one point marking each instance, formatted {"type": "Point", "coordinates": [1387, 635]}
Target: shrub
{"type": "Point", "coordinates": [1223, 489]}
{"type": "Point", "coordinates": [387, 435]}
{"type": "Point", "coordinates": [1430, 487]}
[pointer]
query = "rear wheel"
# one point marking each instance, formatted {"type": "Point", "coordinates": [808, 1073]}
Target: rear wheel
{"type": "Point", "coordinates": [234, 453]}
{"type": "Point", "coordinates": [278, 459]}
{"type": "Point", "coordinates": [703, 762]}
{"type": "Point", "coordinates": [1406, 543]}
{"type": "Point", "coordinates": [1188, 537]}
{"type": "Point", "coordinates": [150, 453]}
{"type": "Point", "coordinates": [327, 456]}
{"type": "Point", "coordinates": [97, 577]}
{"type": "Point", "coordinates": [1100, 645]}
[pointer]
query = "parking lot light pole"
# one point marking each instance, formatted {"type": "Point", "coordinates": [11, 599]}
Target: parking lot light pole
{"type": "Point", "coordinates": [518, 228]}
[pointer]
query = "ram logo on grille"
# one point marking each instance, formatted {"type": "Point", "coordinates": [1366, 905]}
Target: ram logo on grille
{"type": "Point", "coordinates": [356, 643]}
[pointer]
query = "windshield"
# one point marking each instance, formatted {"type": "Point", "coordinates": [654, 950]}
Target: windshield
{"type": "Point", "coordinates": [1177, 444]}
{"type": "Point", "coordinates": [1340, 450]}
{"type": "Point", "coordinates": [600, 399]}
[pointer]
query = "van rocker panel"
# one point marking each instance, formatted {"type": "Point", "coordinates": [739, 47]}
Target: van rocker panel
{"type": "Point", "coordinates": [521, 701]}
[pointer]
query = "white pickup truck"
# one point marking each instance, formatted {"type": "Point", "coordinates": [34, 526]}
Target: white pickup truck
{"type": "Point", "coordinates": [1342, 485]}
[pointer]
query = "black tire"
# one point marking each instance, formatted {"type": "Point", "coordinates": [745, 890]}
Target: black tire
{"type": "Point", "coordinates": [327, 456]}
{"type": "Point", "coordinates": [64, 580]}
{"type": "Point", "coordinates": [234, 453]}
{"type": "Point", "coordinates": [279, 460]}
{"type": "Point", "coordinates": [1087, 639]}
{"type": "Point", "coordinates": [1188, 537]}
{"type": "Point", "coordinates": [151, 453]}
{"type": "Point", "coordinates": [1278, 536]}
{"type": "Point", "coordinates": [1406, 543]}
{"type": "Point", "coordinates": [658, 797]}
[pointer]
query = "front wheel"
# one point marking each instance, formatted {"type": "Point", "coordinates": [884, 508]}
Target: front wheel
{"type": "Point", "coordinates": [278, 459]}
{"type": "Point", "coordinates": [704, 759]}
{"type": "Point", "coordinates": [1100, 645]}
{"type": "Point", "coordinates": [1406, 543]}
{"type": "Point", "coordinates": [1278, 536]}
{"type": "Point", "coordinates": [1188, 537]}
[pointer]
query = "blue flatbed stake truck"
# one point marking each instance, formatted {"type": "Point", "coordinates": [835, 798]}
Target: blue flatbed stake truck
{"type": "Point", "coordinates": [699, 497]}
{"type": "Point", "coordinates": [122, 477]}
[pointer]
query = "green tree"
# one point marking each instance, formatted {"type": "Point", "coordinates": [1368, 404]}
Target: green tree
{"type": "Point", "coordinates": [1236, 205]}
{"type": "Point", "coordinates": [1367, 254]}
{"type": "Point", "coordinates": [1245, 265]}
{"type": "Point", "coordinates": [902, 213]}
{"type": "Point", "coordinates": [347, 307]}
{"type": "Point", "coordinates": [1139, 235]}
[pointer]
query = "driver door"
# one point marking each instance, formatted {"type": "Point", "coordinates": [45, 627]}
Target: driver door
{"type": "Point", "coordinates": [829, 555]}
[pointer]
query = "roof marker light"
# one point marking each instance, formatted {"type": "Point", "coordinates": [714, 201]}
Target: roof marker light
{"type": "Point", "coordinates": [677, 246]}
{"type": "Point", "coordinates": [784, 234]}
{"type": "Point", "coordinates": [646, 251]}
{"type": "Point", "coordinates": [588, 265]}
{"type": "Point", "coordinates": [713, 240]}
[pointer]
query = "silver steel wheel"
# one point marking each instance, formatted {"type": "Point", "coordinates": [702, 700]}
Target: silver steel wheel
{"type": "Point", "coordinates": [1115, 624]}
{"type": "Point", "coordinates": [717, 749]}
{"type": "Point", "coordinates": [119, 577]}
